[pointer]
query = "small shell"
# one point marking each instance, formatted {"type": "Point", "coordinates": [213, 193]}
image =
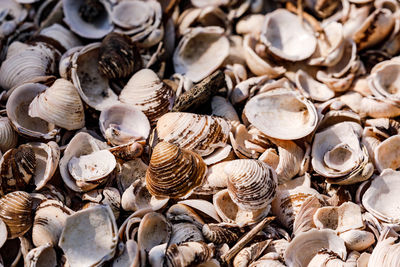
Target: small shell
{"type": "Point", "coordinates": [174, 172]}
{"type": "Point", "coordinates": [129, 256]}
{"type": "Point", "coordinates": [188, 254]}
{"type": "Point", "coordinates": [60, 104]}
{"type": "Point", "coordinates": [16, 213]}
{"type": "Point", "coordinates": [251, 183]}
{"type": "Point", "coordinates": [312, 88]}
{"type": "Point", "coordinates": [8, 136]}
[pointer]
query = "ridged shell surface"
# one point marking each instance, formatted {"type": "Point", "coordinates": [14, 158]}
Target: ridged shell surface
{"type": "Point", "coordinates": [8, 137]}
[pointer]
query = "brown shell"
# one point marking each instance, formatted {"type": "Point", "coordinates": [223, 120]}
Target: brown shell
{"type": "Point", "coordinates": [16, 213]}
{"type": "Point", "coordinates": [220, 233]}
{"type": "Point", "coordinates": [174, 172]}
{"type": "Point", "coordinates": [119, 57]}
{"type": "Point", "coordinates": [188, 254]}
{"type": "Point", "coordinates": [16, 169]}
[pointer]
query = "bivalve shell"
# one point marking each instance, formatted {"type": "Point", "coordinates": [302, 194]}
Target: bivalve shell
{"type": "Point", "coordinates": [8, 137]}
{"type": "Point", "coordinates": [188, 254]}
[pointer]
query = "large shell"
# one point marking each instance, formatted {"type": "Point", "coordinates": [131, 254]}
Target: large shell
{"type": "Point", "coordinates": [200, 52]}
{"type": "Point", "coordinates": [282, 114]}
{"type": "Point", "coordinates": [96, 232]}
{"type": "Point", "coordinates": [8, 137]}
{"type": "Point", "coordinates": [60, 104]}
{"type": "Point", "coordinates": [121, 124]}
{"type": "Point", "coordinates": [89, 19]}
{"type": "Point", "coordinates": [286, 37]}
{"type": "Point", "coordinates": [251, 183]}
{"type": "Point", "coordinates": [16, 213]}
{"type": "Point", "coordinates": [200, 133]}
{"type": "Point", "coordinates": [174, 172]}
{"type": "Point", "coordinates": [148, 93]}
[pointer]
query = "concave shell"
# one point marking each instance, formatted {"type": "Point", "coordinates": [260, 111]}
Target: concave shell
{"type": "Point", "coordinates": [119, 57]}
{"type": "Point", "coordinates": [381, 197]}
{"type": "Point", "coordinates": [387, 154]}
{"type": "Point", "coordinates": [188, 254]}
{"type": "Point", "coordinates": [174, 172]}
{"type": "Point", "coordinates": [201, 134]}
{"type": "Point", "coordinates": [96, 232]}
{"type": "Point", "coordinates": [41, 256]}
{"type": "Point", "coordinates": [129, 256]}
{"type": "Point", "coordinates": [59, 104]}
{"type": "Point", "coordinates": [282, 114]}
{"type": "Point", "coordinates": [149, 94]}
{"type": "Point", "coordinates": [310, 243]}
{"type": "Point", "coordinates": [286, 37]}
{"type": "Point", "coordinates": [16, 213]}
{"type": "Point", "coordinates": [216, 180]}
{"type": "Point", "coordinates": [358, 240]}
{"type": "Point", "coordinates": [251, 183]}
{"type": "Point", "coordinates": [121, 124]}
{"type": "Point", "coordinates": [92, 86]}
{"type": "Point", "coordinates": [17, 110]}
{"type": "Point", "coordinates": [312, 88]}
{"type": "Point", "coordinates": [49, 221]}
{"type": "Point", "coordinates": [200, 52]}
{"type": "Point", "coordinates": [8, 136]}
{"type": "Point", "coordinates": [88, 19]}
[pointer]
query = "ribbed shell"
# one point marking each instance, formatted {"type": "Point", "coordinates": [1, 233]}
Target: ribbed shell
{"type": "Point", "coordinates": [16, 213]}
{"type": "Point", "coordinates": [147, 92]}
{"type": "Point", "coordinates": [185, 232]}
{"type": "Point", "coordinates": [221, 233]}
{"type": "Point", "coordinates": [60, 104]}
{"type": "Point", "coordinates": [251, 183]}
{"type": "Point", "coordinates": [8, 137]}
{"type": "Point", "coordinates": [174, 172]}
{"type": "Point", "coordinates": [188, 254]}
{"type": "Point", "coordinates": [199, 133]}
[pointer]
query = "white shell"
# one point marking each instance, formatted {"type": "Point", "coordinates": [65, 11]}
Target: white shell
{"type": "Point", "coordinates": [8, 136]}
{"type": "Point", "coordinates": [387, 154]}
{"type": "Point", "coordinates": [312, 88]}
{"type": "Point", "coordinates": [40, 256]}
{"type": "Point", "coordinates": [61, 35]}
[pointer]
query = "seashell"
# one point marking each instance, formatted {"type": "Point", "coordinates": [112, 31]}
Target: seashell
{"type": "Point", "coordinates": [59, 37]}
{"type": "Point", "coordinates": [249, 254]}
{"type": "Point", "coordinates": [338, 155]}
{"type": "Point", "coordinates": [222, 233]}
{"type": "Point", "coordinates": [314, 240]}
{"type": "Point", "coordinates": [95, 230]}
{"type": "Point", "coordinates": [17, 167]}
{"type": "Point", "coordinates": [216, 180]}
{"type": "Point", "coordinates": [17, 111]}
{"type": "Point", "coordinates": [16, 213]}
{"type": "Point", "coordinates": [185, 232]}
{"type": "Point", "coordinates": [26, 65]}
{"type": "Point", "coordinates": [231, 213]}
{"type": "Point", "coordinates": [383, 207]}
{"type": "Point", "coordinates": [322, 8]}
{"type": "Point", "coordinates": [43, 255]}
{"type": "Point", "coordinates": [129, 172]}
{"type": "Point", "coordinates": [203, 206]}
{"type": "Point", "coordinates": [312, 88]}
{"type": "Point", "coordinates": [8, 137]}
{"type": "Point", "coordinates": [149, 94]}
{"type": "Point", "coordinates": [129, 256]}
{"type": "Point", "coordinates": [49, 221]}
{"type": "Point", "coordinates": [210, 52]}
{"type": "Point", "coordinates": [385, 252]}
{"type": "Point", "coordinates": [286, 38]}
{"type": "Point", "coordinates": [251, 183]}
{"type": "Point", "coordinates": [358, 240]}
{"type": "Point", "coordinates": [267, 260]}
{"type": "Point", "coordinates": [387, 154]}
{"type": "Point", "coordinates": [121, 124]}
{"type": "Point", "coordinates": [188, 254]}
{"type": "Point", "coordinates": [303, 221]}
{"type": "Point", "coordinates": [119, 57]}
{"type": "Point", "coordinates": [88, 19]}
{"type": "Point", "coordinates": [92, 86]}
{"type": "Point", "coordinates": [157, 255]}
{"type": "Point", "coordinates": [174, 172]}
{"type": "Point", "coordinates": [282, 114]}
{"type": "Point", "coordinates": [3, 233]}
{"type": "Point", "coordinates": [59, 104]}
{"type": "Point", "coordinates": [199, 133]}
{"type": "Point", "coordinates": [221, 107]}
{"type": "Point", "coordinates": [250, 24]}
{"type": "Point", "coordinates": [108, 196]}
{"type": "Point", "coordinates": [154, 230]}
{"type": "Point", "coordinates": [181, 212]}
{"type": "Point", "coordinates": [220, 154]}
{"type": "Point", "coordinates": [341, 219]}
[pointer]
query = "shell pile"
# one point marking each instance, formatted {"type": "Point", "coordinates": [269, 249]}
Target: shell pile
{"type": "Point", "coordinates": [204, 133]}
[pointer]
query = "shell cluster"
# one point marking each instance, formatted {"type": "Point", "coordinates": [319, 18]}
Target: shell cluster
{"type": "Point", "coordinates": [204, 133]}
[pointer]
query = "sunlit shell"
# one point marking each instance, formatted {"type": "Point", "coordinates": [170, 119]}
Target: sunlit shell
{"type": "Point", "coordinates": [222, 233]}
{"type": "Point", "coordinates": [358, 240]}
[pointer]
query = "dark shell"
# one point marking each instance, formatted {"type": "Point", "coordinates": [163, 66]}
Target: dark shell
{"type": "Point", "coordinates": [222, 233]}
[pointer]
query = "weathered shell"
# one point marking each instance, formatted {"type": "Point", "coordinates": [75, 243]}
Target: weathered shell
{"type": "Point", "coordinates": [216, 180]}
{"type": "Point", "coordinates": [286, 37]}
{"type": "Point", "coordinates": [119, 57]}
{"type": "Point", "coordinates": [43, 255]}
{"type": "Point", "coordinates": [129, 256]}
{"type": "Point", "coordinates": [185, 232]}
{"type": "Point", "coordinates": [200, 52]}
{"type": "Point", "coordinates": [387, 154]}
{"type": "Point", "coordinates": [149, 94]}
{"type": "Point", "coordinates": [358, 240]}
{"type": "Point", "coordinates": [16, 213]}
{"type": "Point", "coordinates": [204, 207]}
{"type": "Point", "coordinates": [49, 221]}
{"type": "Point", "coordinates": [174, 172]}
{"type": "Point", "coordinates": [183, 213]}
{"type": "Point", "coordinates": [386, 252]}
{"type": "Point", "coordinates": [282, 114]}
{"type": "Point", "coordinates": [251, 183]}
{"type": "Point", "coordinates": [8, 136]}
{"type": "Point", "coordinates": [60, 104]}
{"type": "Point", "coordinates": [222, 233]}
{"type": "Point", "coordinates": [121, 124]}
{"type": "Point", "coordinates": [17, 111]}
{"type": "Point", "coordinates": [88, 19]}
{"type": "Point", "coordinates": [106, 196]}
{"type": "Point", "coordinates": [312, 88]}
{"type": "Point", "coordinates": [249, 254]}
{"type": "Point", "coordinates": [96, 232]}
{"type": "Point", "coordinates": [187, 254]}
{"type": "Point", "coordinates": [200, 133]}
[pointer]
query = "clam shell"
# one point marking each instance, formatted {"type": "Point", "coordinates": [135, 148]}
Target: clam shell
{"type": "Point", "coordinates": [251, 183]}
{"type": "Point", "coordinates": [60, 104]}
{"type": "Point", "coordinates": [358, 240]}
{"type": "Point", "coordinates": [16, 213]}
{"type": "Point", "coordinates": [201, 134]}
{"type": "Point", "coordinates": [222, 233]}
{"type": "Point", "coordinates": [129, 256]}
{"type": "Point", "coordinates": [312, 88]}
{"type": "Point", "coordinates": [8, 136]}
{"type": "Point", "coordinates": [188, 253]}
{"type": "Point", "coordinates": [185, 232]}
{"type": "Point", "coordinates": [60, 37]}
{"type": "Point", "coordinates": [387, 154]}
{"type": "Point", "coordinates": [107, 196]}
{"type": "Point", "coordinates": [43, 255]}
{"type": "Point", "coordinates": [174, 172]}
{"type": "Point", "coordinates": [282, 114]}
{"type": "Point", "coordinates": [96, 232]}
{"type": "Point", "coordinates": [148, 93]}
